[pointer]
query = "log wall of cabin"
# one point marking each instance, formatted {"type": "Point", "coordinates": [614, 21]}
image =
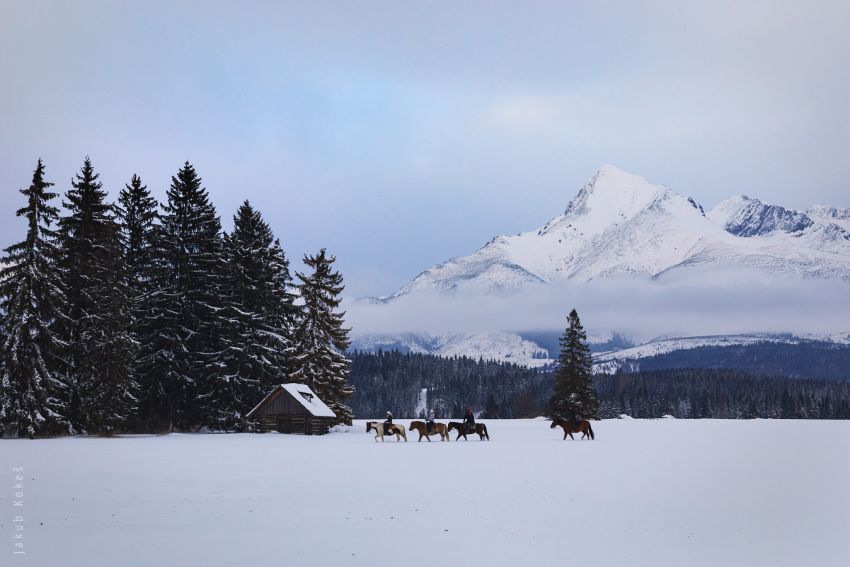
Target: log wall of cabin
{"type": "Point", "coordinates": [287, 415]}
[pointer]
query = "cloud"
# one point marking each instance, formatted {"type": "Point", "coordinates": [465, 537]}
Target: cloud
{"type": "Point", "coordinates": [530, 113]}
{"type": "Point", "coordinates": [690, 303]}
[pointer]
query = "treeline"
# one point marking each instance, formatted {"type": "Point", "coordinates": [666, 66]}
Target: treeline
{"type": "Point", "coordinates": [806, 359]}
{"type": "Point", "coordinates": [723, 394]}
{"type": "Point", "coordinates": [392, 381]}
{"type": "Point", "coordinates": [141, 316]}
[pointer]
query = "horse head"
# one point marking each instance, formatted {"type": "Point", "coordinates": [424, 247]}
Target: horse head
{"type": "Point", "coordinates": [369, 426]}
{"type": "Point", "coordinates": [554, 423]}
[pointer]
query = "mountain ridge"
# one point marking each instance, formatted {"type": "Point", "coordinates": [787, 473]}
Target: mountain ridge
{"type": "Point", "coordinates": [620, 224]}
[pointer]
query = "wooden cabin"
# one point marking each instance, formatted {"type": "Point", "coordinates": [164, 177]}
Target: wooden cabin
{"type": "Point", "coordinates": [293, 408]}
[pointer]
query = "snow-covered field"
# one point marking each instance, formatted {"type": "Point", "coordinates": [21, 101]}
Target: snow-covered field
{"type": "Point", "coordinates": [662, 492]}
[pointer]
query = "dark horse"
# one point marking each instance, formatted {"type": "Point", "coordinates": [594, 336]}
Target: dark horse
{"type": "Point", "coordinates": [582, 427]}
{"type": "Point", "coordinates": [462, 431]}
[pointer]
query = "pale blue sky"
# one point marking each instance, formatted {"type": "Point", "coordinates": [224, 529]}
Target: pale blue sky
{"type": "Point", "coordinates": [400, 134]}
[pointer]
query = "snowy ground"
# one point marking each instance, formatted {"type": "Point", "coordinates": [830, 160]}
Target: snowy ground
{"type": "Point", "coordinates": [660, 492]}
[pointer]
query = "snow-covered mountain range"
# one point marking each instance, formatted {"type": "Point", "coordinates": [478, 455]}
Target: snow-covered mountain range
{"type": "Point", "coordinates": [497, 345]}
{"type": "Point", "coordinates": [620, 224]}
{"type": "Point", "coordinates": [620, 227]}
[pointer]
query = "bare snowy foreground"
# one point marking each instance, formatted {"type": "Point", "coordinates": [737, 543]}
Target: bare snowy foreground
{"type": "Point", "coordinates": [661, 492]}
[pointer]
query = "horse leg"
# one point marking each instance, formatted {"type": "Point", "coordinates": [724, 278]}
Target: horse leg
{"type": "Point", "coordinates": [565, 433]}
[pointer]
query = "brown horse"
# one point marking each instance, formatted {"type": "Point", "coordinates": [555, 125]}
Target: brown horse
{"type": "Point", "coordinates": [439, 429]}
{"type": "Point", "coordinates": [462, 431]}
{"type": "Point", "coordinates": [582, 427]}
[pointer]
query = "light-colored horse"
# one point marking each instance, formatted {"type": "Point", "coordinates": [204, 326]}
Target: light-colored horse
{"type": "Point", "coordinates": [396, 429]}
{"type": "Point", "coordinates": [422, 428]}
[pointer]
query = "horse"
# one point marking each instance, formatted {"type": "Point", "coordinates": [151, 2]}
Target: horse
{"type": "Point", "coordinates": [439, 429]}
{"type": "Point", "coordinates": [395, 429]}
{"type": "Point", "coordinates": [480, 429]}
{"type": "Point", "coordinates": [582, 427]}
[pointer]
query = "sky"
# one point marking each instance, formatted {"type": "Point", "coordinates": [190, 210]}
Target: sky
{"type": "Point", "coordinates": [398, 135]}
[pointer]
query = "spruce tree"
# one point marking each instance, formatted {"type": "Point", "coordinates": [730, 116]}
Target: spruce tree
{"type": "Point", "coordinates": [99, 349]}
{"type": "Point", "coordinates": [81, 232]}
{"type": "Point", "coordinates": [321, 340]}
{"type": "Point", "coordinates": [181, 330]}
{"type": "Point", "coordinates": [258, 314]}
{"type": "Point", "coordinates": [138, 215]}
{"type": "Point", "coordinates": [33, 398]}
{"type": "Point", "coordinates": [574, 393]}
{"type": "Point", "coordinates": [108, 393]}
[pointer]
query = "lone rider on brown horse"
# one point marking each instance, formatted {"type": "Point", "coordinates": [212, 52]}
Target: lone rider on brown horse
{"type": "Point", "coordinates": [430, 423]}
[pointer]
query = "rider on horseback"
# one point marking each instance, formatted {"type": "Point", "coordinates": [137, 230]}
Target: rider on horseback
{"type": "Point", "coordinates": [573, 418]}
{"type": "Point", "coordinates": [469, 421]}
{"type": "Point", "coordinates": [388, 424]}
{"type": "Point", "coordinates": [430, 423]}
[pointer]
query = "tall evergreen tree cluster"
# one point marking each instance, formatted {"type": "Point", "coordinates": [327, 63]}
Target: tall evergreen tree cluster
{"type": "Point", "coordinates": [574, 394]}
{"type": "Point", "coordinates": [138, 317]}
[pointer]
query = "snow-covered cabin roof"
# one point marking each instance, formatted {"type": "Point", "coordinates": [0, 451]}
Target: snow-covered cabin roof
{"type": "Point", "coordinates": [304, 395]}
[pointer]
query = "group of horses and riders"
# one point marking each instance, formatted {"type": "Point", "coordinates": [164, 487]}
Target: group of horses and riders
{"type": "Point", "coordinates": [571, 424]}
{"type": "Point", "coordinates": [430, 427]}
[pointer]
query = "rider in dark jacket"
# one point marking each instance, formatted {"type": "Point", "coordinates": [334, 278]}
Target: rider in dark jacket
{"type": "Point", "coordinates": [388, 423]}
{"type": "Point", "coordinates": [573, 418]}
{"type": "Point", "coordinates": [469, 422]}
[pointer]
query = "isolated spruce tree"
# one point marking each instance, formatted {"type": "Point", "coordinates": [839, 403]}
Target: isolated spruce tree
{"type": "Point", "coordinates": [574, 392]}
{"type": "Point", "coordinates": [32, 396]}
{"type": "Point", "coordinates": [321, 340]}
{"type": "Point", "coordinates": [180, 331]}
{"type": "Point", "coordinates": [258, 317]}
{"type": "Point", "coordinates": [99, 350]}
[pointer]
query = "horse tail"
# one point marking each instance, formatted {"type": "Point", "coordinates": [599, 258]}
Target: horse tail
{"type": "Point", "coordinates": [487, 435]}
{"type": "Point", "coordinates": [590, 430]}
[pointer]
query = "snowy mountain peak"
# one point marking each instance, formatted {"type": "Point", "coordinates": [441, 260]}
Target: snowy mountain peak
{"type": "Point", "coordinates": [614, 193]}
{"type": "Point", "coordinates": [745, 216]}
{"type": "Point", "coordinates": [830, 215]}
{"type": "Point", "coordinates": [620, 224]}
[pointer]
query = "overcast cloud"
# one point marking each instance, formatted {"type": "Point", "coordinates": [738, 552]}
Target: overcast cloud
{"type": "Point", "coordinates": [688, 303]}
{"type": "Point", "coordinates": [399, 134]}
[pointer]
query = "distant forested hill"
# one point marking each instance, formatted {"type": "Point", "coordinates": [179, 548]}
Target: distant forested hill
{"type": "Point", "coordinates": [808, 359]}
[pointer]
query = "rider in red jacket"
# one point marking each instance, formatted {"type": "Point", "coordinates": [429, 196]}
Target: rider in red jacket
{"type": "Point", "coordinates": [469, 422]}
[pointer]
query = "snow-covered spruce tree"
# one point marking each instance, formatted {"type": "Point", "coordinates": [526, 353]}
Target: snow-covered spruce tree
{"type": "Point", "coordinates": [33, 399]}
{"type": "Point", "coordinates": [320, 339]}
{"type": "Point", "coordinates": [574, 392]}
{"type": "Point", "coordinates": [98, 350]}
{"type": "Point", "coordinates": [138, 215]}
{"type": "Point", "coordinates": [107, 387]}
{"type": "Point", "coordinates": [181, 329]}
{"type": "Point", "coordinates": [258, 317]}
